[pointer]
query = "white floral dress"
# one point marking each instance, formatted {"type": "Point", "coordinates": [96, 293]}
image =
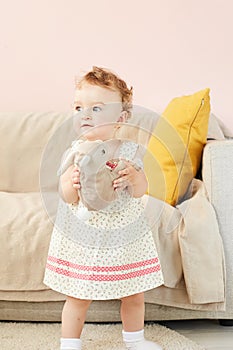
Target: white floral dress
{"type": "Point", "coordinates": [107, 254]}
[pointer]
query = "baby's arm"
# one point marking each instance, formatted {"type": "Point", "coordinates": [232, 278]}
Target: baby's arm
{"type": "Point", "coordinates": [69, 184]}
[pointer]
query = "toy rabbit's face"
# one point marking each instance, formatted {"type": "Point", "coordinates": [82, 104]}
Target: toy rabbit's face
{"type": "Point", "coordinates": [93, 159]}
{"type": "Point", "coordinates": [92, 154]}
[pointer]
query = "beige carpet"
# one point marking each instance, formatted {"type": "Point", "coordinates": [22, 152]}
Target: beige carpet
{"type": "Point", "coordinates": [45, 336]}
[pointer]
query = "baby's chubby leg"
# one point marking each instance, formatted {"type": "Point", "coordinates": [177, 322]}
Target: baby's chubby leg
{"type": "Point", "coordinates": [132, 315]}
{"type": "Point", "coordinates": [132, 312]}
{"type": "Point", "coordinates": [73, 318]}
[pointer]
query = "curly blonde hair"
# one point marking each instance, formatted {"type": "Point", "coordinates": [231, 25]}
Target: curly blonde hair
{"type": "Point", "coordinates": [107, 79]}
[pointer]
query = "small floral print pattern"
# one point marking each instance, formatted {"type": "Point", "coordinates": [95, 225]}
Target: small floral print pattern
{"type": "Point", "coordinates": [107, 254]}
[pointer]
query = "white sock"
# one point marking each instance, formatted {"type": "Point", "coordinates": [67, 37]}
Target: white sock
{"type": "Point", "coordinates": [132, 337]}
{"type": "Point", "coordinates": [136, 341]}
{"type": "Point", "coordinates": [70, 344]}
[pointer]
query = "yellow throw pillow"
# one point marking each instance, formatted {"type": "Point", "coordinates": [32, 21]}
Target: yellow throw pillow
{"type": "Point", "coordinates": [175, 148]}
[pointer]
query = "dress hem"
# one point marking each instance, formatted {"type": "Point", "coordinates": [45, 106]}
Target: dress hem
{"type": "Point", "coordinates": [143, 290]}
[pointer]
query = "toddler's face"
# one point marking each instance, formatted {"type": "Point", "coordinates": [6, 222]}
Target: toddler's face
{"type": "Point", "coordinates": [97, 110]}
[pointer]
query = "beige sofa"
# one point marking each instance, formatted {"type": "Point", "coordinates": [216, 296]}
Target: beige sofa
{"type": "Point", "coordinates": [25, 225]}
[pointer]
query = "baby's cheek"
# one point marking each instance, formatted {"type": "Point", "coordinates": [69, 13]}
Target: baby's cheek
{"type": "Point", "coordinates": [76, 124]}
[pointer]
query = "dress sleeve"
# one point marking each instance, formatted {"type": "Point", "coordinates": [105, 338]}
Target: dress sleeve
{"type": "Point", "coordinates": [133, 152]}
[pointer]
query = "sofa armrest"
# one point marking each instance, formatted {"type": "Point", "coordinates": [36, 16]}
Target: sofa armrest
{"type": "Point", "coordinates": [217, 174]}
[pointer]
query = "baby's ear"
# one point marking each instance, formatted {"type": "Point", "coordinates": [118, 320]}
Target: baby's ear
{"type": "Point", "coordinates": [123, 117]}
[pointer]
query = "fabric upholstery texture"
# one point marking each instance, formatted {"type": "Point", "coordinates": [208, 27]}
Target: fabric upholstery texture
{"type": "Point", "coordinates": [217, 176]}
{"type": "Point", "coordinates": [23, 139]}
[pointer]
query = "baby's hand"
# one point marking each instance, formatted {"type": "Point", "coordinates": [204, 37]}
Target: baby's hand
{"type": "Point", "coordinates": [127, 177]}
{"type": "Point", "coordinates": [69, 184]}
{"type": "Point", "coordinates": [133, 178]}
{"type": "Point", "coordinates": [75, 178]}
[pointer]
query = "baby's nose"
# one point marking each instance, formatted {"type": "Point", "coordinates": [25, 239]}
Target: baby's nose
{"type": "Point", "coordinates": [87, 114]}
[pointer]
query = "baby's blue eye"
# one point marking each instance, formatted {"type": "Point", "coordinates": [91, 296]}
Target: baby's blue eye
{"type": "Point", "coordinates": [78, 108]}
{"type": "Point", "coordinates": [96, 109]}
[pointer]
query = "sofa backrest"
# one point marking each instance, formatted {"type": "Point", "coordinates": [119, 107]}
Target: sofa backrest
{"type": "Point", "coordinates": [32, 145]}
{"type": "Point", "coordinates": [23, 137]}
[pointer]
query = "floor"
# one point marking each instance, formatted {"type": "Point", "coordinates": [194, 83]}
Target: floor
{"type": "Point", "coordinates": [207, 333]}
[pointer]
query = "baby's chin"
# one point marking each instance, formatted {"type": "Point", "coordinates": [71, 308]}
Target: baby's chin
{"type": "Point", "coordinates": [90, 136]}
{"type": "Point", "coordinates": [96, 133]}
{"type": "Point", "coordinates": [85, 131]}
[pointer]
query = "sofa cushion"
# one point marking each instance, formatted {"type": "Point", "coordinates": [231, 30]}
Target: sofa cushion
{"type": "Point", "coordinates": [174, 151]}
{"type": "Point", "coordinates": [23, 138]}
{"type": "Point", "coordinates": [25, 234]}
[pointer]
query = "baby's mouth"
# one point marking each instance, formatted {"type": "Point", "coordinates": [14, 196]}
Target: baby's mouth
{"type": "Point", "coordinates": [85, 125]}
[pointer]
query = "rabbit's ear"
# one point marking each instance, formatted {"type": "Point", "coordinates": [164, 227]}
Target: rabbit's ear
{"type": "Point", "coordinates": [84, 161]}
{"type": "Point", "coordinates": [67, 160]}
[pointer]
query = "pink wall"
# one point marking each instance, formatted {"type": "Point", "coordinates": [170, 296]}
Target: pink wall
{"type": "Point", "coordinates": [163, 48]}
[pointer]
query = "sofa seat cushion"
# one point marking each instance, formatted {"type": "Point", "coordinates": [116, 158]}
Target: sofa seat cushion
{"type": "Point", "coordinates": [25, 234]}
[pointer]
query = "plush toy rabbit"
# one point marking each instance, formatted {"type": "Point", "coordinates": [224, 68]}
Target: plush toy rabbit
{"type": "Point", "coordinates": [97, 171]}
